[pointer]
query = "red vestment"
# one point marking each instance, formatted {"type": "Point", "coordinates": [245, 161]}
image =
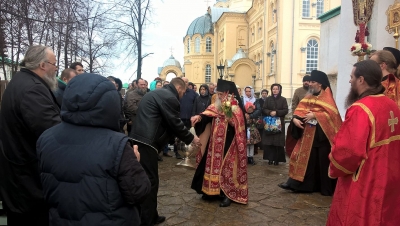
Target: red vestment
{"type": "Point", "coordinates": [325, 110]}
{"type": "Point", "coordinates": [392, 88]}
{"type": "Point", "coordinates": [365, 158]}
{"type": "Point", "coordinates": [228, 172]}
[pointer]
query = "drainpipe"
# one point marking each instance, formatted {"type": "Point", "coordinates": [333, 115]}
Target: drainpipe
{"type": "Point", "coordinates": [277, 39]}
{"type": "Point", "coordinates": [291, 65]}
{"type": "Point", "coordinates": [263, 50]}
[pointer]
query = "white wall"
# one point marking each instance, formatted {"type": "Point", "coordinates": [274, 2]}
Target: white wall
{"type": "Point", "coordinates": [379, 37]}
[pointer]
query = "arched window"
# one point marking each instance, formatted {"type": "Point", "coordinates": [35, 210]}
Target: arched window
{"type": "Point", "coordinates": [208, 45]}
{"type": "Point", "coordinates": [312, 55]}
{"type": "Point", "coordinates": [306, 8]}
{"type": "Point", "coordinates": [320, 7]}
{"type": "Point", "coordinates": [188, 45]}
{"type": "Point", "coordinates": [208, 73]}
{"type": "Point", "coordinates": [197, 45]}
{"type": "Point", "coordinates": [272, 48]}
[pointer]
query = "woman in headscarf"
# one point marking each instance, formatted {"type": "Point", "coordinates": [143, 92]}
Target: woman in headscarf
{"type": "Point", "coordinates": [202, 101]}
{"type": "Point", "coordinates": [275, 106]}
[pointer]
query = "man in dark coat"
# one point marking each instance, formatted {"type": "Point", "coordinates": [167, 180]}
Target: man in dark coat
{"type": "Point", "coordinates": [132, 100]}
{"type": "Point", "coordinates": [157, 121]}
{"type": "Point", "coordinates": [89, 171]}
{"type": "Point", "coordinates": [66, 75]}
{"type": "Point", "coordinates": [28, 109]}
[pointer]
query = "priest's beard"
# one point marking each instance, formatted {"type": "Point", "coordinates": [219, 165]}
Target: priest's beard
{"type": "Point", "coordinates": [310, 91]}
{"type": "Point", "coordinates": [351, 98]}
{"type": "Point", "coordinates": [217, 103]}
{"type": "Point", "coordinates": [51, 81]}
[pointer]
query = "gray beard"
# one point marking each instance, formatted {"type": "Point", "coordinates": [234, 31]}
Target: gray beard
{"type": "Point", "coordinates": [141, 92]}
{"type": "Point", "coordinates": [51, 82]}
{"type": "Point", "coordinates": [217, 103]}
{"type": "Point", "coordinates": [310, 91]}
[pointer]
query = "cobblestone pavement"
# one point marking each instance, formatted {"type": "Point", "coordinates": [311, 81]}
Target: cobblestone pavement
{"type": "Point", "coordinates": [268, 204]}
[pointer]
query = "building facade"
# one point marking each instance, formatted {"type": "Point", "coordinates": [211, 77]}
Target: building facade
{"type": "Point", "coordinates": [260, 42]}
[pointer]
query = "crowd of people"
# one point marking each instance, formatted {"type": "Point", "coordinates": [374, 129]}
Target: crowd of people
{"type": "Point", "coordinates": [74, 151]}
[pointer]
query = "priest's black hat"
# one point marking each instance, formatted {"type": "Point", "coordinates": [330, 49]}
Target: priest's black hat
{"type": "Point", "coordinates": [320, 77]}
{"type": "Point", "coordinates": [306, 78]}
{"type": "Point", "coordinates": [230, 87]}
{"type": "Point", "coordinates": [395, 52]}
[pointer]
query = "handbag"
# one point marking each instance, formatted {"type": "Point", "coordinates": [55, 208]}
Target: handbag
{"type": "Point", "coordinates": [272, 125]}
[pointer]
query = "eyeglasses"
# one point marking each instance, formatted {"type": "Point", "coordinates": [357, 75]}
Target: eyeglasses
{"type": "Point", "coordinates": [55, 65]}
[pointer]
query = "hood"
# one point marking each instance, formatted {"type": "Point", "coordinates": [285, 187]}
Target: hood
{"type": "Point", "coordinates": [207, 90]}
{"type": "Point", "coordinates": [91, 100]}
{"type": "Point", "coordinates": [280, 89]}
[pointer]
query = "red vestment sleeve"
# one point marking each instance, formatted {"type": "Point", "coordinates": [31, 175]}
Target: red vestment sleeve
{"type": "Point", "coordinates": [350, 145]}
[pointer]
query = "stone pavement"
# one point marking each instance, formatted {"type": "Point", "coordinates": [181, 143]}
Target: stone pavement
{"type": "Point", "coordinates": [268, 204]}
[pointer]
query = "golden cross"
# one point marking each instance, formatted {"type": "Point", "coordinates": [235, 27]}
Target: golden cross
{"type": "Point", "coordinates": [392, 121]}
{"type": "Point", "coordinates": [172, 50]}
{"type": "Point", "coordinates": [207, 1]}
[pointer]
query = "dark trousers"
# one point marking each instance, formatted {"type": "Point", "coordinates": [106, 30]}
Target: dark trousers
{"type": "Point", "coordinates": [38, 217]}
{"type": "Point", "coordinates": [188, 125]}
{"type": "Point", "coordinates": [149, 162]}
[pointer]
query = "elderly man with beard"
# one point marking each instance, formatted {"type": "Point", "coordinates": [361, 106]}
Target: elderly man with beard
{"type": "Point", "coordinates": [317, 119]}
{"type": "Point", "coordinates": [365, 154]}
{"type": "Point", "coordinates": [28, 108]}
{"type": "Point", "coordinates": [222, 168]}
{"type": "Point", "coordinates": [132, 100]}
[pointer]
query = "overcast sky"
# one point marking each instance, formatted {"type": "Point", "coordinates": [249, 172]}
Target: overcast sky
{"type": "Point", "coordinates": [171, 19]}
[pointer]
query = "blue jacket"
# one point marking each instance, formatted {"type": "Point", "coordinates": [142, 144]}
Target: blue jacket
{"type": "Point", "coordinates": [187, 103]}
{"type": "Point", "coordinates": [60, 91]}
{"type": "Point", "coordinates": [80, 159]}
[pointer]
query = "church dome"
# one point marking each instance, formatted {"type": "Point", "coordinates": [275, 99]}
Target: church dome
{"type": "Point", "coordinates": [239, 55]}
{"type": "Point", "coordinates": [201, 25]}
{"type": "Point", "coordinates": [171, 62]}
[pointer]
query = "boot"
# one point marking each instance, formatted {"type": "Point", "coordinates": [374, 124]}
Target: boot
{"type": "Point", "coordinates": [225, 202]}
{"type": "Point", "coordinates": [251, 161]}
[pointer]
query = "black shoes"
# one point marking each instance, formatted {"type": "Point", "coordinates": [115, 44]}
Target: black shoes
{"type": "Point", "coordinates": [159, 220]}
{"type": "Point", "coordinates": [178, 156]}
{"type": "Point", "coordinates": [285, 186]}
{"type": "Point", "coordinates": [270, 162]}
{"type": "Point", "coordinates": [250, 161]}
{"type": "Point", "coordinates": [276, 163]}
{"type": "Point", "coordinates": [225, 202]}
{"type": "Point", "coordinates": [273, 162]}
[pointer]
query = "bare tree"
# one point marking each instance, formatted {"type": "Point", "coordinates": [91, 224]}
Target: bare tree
{"type": "Point", "coordinates": [137, 12]}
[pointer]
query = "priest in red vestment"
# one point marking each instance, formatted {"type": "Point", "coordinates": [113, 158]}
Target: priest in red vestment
{"type": "Point", "coordinates": [316, 121]}
{"type": "Point", "coordinates": [365, 154]}
{"type": "Point", "coordinates": [388, 61]}
{"type": "Point", "coordinates": [222, 162]}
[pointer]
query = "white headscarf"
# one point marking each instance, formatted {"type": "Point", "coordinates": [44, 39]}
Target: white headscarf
{"type": "Point", "coordinates": [246, 99]}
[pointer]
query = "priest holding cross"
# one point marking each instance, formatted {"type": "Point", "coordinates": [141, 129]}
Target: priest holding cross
{"type": "Point", "coordinates": [365, 154]}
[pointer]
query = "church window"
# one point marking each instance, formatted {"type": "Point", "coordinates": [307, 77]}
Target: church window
{"type": "Point", "coordinates": [306, 8]}
{"type": "Point", "coordinates": [320, 7]}
{"type": "Point", "coordinates": [272, 58]}
{"type": "Point", "coordinates": [208, 73]}
{"type": "Point", "coordinates": [188, 45]}
{"type": "Point", "coordinates": [312, 55]}
{"type": "Point", "coordinates": [208, 45]}
{"type": "Point", "coordinates": [197, 45]}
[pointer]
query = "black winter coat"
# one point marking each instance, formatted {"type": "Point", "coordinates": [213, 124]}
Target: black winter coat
{"type": "Point", "coordinates": [27, 110]}
{"type": "Point", "coordinates": [279, 105]}
{"type": "Point", "coordinates": [89, 173]}
{"type": "Point", "coordinates": [201, 102]}
{"type": "Point", "coordinates": [157, 119]}
{"type": "Point", "coordinates": [60, 92]}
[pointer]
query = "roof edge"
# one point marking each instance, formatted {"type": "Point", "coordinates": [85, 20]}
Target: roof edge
{"type": "Point", "coordinates": [329, 14]}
